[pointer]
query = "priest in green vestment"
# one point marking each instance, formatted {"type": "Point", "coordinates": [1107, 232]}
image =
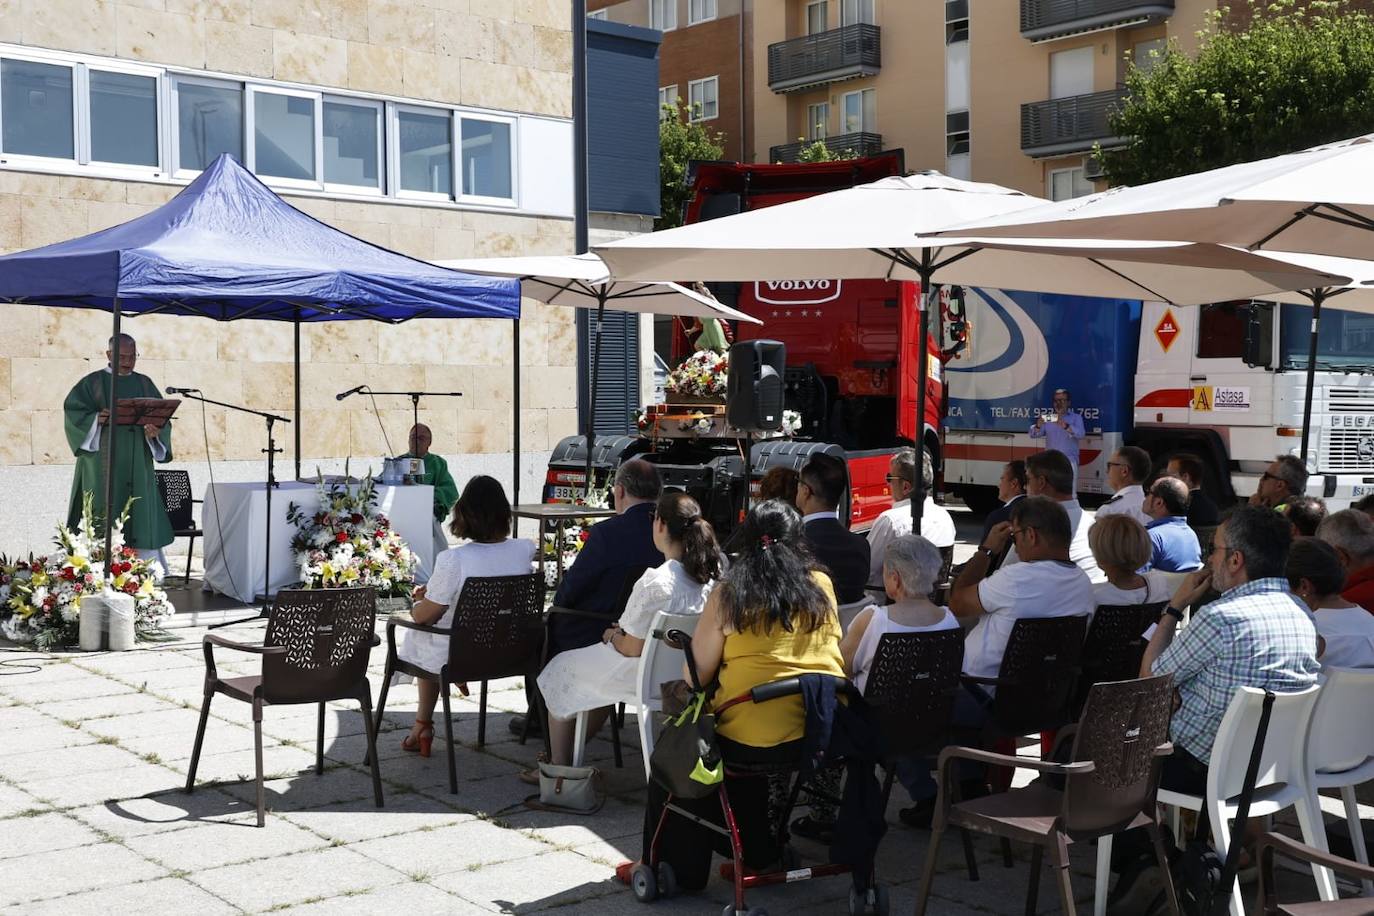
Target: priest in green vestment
{"type": "Point", "coordinates": [87, 417]}
{"type": "Point", "coordinates": [436, 471]}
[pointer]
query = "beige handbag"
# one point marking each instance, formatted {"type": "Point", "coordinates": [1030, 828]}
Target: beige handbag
{"type": "Point", "coordinates": [569, 789]}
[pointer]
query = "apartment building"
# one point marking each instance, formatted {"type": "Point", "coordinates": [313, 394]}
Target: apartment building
{"type": "Point", "coordinates": [705, 61]}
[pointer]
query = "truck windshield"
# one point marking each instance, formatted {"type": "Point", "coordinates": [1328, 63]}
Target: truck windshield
{"type": "Point", "coordinates": [1345, 341]}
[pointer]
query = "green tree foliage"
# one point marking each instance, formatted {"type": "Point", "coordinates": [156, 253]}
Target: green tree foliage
{"type": "Point", "coordinates": [818, 151]}
{"type": "Point", "coordinates": [1301, 74]}
{"type": "Point", "coordinates": [679, 142]}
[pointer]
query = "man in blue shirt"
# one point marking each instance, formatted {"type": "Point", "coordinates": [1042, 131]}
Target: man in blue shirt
{"type": "Point", "coordinates": [1175, 545]}
{"type": "Point", "coordinates": [1063, 432]}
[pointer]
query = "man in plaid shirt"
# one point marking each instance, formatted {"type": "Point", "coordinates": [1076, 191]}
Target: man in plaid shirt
{"type": "Point", "coordinates": [1255, 635]}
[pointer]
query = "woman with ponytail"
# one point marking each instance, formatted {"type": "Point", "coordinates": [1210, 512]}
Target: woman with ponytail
{"type": "Point", "coordinates": [597, 676]}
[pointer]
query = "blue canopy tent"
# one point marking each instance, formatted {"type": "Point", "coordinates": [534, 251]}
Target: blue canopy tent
{"type": "Point", "coordinates": [227, 248]}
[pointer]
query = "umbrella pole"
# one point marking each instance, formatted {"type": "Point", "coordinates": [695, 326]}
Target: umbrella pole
{"type": "Point", "coordinates": [930, 295]}
{"type": "Point", "coordinates": [107, 440]}
{"type": "Point", "coordinates": [591, 397]}
{"type": "Point", "coordinates": [297, 411]}
{"type": "Point", "coordinates": [515, 414]}
{"type": "Point", "coordinates": [1318, 296]}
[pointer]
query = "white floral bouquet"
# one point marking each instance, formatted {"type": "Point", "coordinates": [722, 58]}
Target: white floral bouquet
{"type": "Point", "coordinates": [347, 542]}
{"type": "Point", "coordinates": [791, 422]}
{"type": "Point", "coordinates": [40, 597]}
{"type": "Point", "coordinates": [703, 374]}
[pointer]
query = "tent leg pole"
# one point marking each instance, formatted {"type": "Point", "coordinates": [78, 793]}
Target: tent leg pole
{"type": "Point", "coordinates": [1318, 296]}
{"type": "Point", "coordinates": [296, 433]}
{"type": "Point", "coordinates": [931, 299]}
{"type": "Point", "coordinates": [515, 415]}
{"type": "Point", "coordinates": [107, 438]}
{"type": "Point", "coordinates": [591, 385]}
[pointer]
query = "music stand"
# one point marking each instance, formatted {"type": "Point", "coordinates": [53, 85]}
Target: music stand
{"type": "Point", "coordinates": [142, 411]}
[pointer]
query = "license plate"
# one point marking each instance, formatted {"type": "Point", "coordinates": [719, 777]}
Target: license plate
{"type": "Point", "coordinates": [567, 494]}
{"type": "Point", "coordinates": [1358, 491]}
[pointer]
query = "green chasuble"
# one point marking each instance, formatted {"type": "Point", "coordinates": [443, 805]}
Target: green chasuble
{"type": "Point", "coordinates": [147, 527]}
{"type": "Point", "coordinates": [438, 477]}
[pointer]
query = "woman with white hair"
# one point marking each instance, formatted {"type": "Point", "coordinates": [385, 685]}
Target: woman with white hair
{"type": "Point", "coordinates": [911, 566]}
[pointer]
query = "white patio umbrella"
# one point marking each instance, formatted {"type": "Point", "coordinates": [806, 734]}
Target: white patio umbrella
{"type": "Point", "coordinates": [880, 230]}
{"type": "Point", "coordinates": [583, 281]}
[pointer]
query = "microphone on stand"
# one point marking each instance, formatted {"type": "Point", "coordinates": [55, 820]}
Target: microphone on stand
{"type": "Point", "coordinates": [343, 394]}
{"type": "Point", "coordinates": [182, 390]}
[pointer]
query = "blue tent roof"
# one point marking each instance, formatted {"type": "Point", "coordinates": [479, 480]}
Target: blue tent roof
{"type": "Point", "coordinates": [227, 247]}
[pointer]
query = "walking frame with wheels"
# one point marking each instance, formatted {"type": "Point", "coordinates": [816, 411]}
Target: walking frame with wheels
{"type": "Point", "coordinates": [655, 878]}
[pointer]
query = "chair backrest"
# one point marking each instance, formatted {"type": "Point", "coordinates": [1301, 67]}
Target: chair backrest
{"type": "Point", "coordinates": [660, 662]}
{"type": "Point", "coordinates": [498, 628]}
{"type": "Point", "coordinates": [1038, 675]}
{"type": "Point", "coordinates": [175, 489]}
{"type": "Point", "coordinates": [327, 633]}
{"type": "Point", "coordinates": [911, 687]}
{"type": "Point", "coordinates": [1285, 746]}
{"type": "Point", "coordinates": [1115, 643]}
{"type": "Point", "coordinates": [1335, 740]}
{"type": "Point", "coordinates": [1123, 724]}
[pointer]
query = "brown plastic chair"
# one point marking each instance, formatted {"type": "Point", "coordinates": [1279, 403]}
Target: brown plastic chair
{"type": "Point", "coordinates": [1108, 787]}
{"type": "Point", "coordinates": [1268, 903]}
{"type": "Point", "coordinates": [316, 650]}
{"type": "Point", "coordinates": [1039, 672]}
{"type": "Point", "coordinates": [497, 632]}
{"type": "Point", "coordinates": [1114, 645]}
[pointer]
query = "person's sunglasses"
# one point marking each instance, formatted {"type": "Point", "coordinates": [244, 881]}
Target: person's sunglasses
{"type": "Point", "coordinates": [1116, 464]}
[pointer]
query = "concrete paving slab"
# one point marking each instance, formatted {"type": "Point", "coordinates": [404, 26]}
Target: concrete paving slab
{"type": "Point", "coordinates": [167, 720]}
{"type": "Point", "coordinates": [15, 717]}
{"type": "Point", "coordinates": [210, 845]}
{"type": "Point", "coordinates": [27, 836]}
{"type": "Point", "coordinates": [457, 848]}
{"type": "Point", "coordinates": [161, 895]}
{"type": "Point", "coordinates": [68, 761]}
{"type": "Point", "coordinates": [80, 685]}
{"type": "Point", "coordinates": [84, 711]}
{"type": "Point", "coordinates": [521, 886]}
{"type": "Point", "coordinates": [236, 766]}
{"type": "Point", "coordinates": [306, 790]}
{"type": "Point", "coordinates": [285, 880]}
{"type": "Point", "coordinates": [14, 800]}
{"type": "Point", "coordinates": [414, 898]}
{"type": "Point", "coordinates": [59, 873]}
{"type": "Point", "coordinates": [94, 788]}
{"type": "Point", "coordinates": [173, 810]}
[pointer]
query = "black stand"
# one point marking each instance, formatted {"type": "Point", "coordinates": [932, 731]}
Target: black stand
{"type": "Point", "coordinates": [272, 452]}
{"type": "Point", "coordinates": [415, 401]}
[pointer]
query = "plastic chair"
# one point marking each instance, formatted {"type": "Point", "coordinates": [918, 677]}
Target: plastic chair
{"type": "Point", "coordinates": [497, 632]}
{"type": "Point", "coordinates": [1114, 646]}
{"type": "Point", "coordinates": [1280, 783]}
{"type": "Point", "coordinates": [175, 489]}
{"type": "Point", "coordinates": [1035, 683]}
{"type": "Point", "coordinates": [1340, 752]}
{"type": "Point", "coordinates": [1268, 903]}
{"type": "Point", "coordinates": [316, 650]}
{"type": "Point", "coordinates": [659, 662]}
{"type": "Point", "coordinates": [1109, 786]}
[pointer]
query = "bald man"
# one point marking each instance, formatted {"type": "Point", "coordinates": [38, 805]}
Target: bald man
{"type": "Point", "coordinates": [436, 471]}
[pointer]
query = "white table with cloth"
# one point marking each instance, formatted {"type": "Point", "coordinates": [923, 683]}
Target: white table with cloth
{"type": "Point", "coordinates": [232, 519]}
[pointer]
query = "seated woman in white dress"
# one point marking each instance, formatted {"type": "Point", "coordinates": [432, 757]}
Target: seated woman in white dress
{"type": "Point", "coordinates": [1120, 545]}
{"type": "Point", "coordinates": [1345, 631]}
{"type": "Point", "coordinates": [482, 518]}
{"type": "Point", "coordinates": [597, 676]}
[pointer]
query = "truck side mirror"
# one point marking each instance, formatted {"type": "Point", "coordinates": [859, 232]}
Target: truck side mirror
{"type": "Point", "coordinates": [1259, 334]}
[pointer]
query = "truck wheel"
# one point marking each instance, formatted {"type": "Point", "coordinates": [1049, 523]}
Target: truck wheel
{"type": "Point", "coordinates": [980, 500]}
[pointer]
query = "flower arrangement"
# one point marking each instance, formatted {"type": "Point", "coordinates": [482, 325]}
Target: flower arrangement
{"type": "Point", "coordinates": [40, 597]}
{"type": "Point", "coordinates": [703, 374]}
{"type": "Point", "coordinates": [347, 542]}
{"type": "Point", "coordinates": [791, 422]}
{"type": "Point", "coordinates": [698, 423]}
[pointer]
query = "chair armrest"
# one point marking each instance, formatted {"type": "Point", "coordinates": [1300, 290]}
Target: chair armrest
{"type": "Point", "coordinates": [226, 643]}
{"type": "Point", "coordinates": [1304, 853]}
{"type": "Point", "coordinates": [589, 615]}
{"type": "Point", "coordinates": [397, 620]}
{"type": "Point", "coordinates": [950, 754]}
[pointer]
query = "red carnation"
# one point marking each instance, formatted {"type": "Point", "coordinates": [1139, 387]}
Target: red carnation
{"type": "Point", "coordinates": [130, 587]}
{"type": "Point", "coordinates": [341, 536]}
{"type": "Point", "coordinates": [583, 535]}
{"type": "Point", "coordinates": [355, 518]}
{"type": "Point", "coordinates": [68, 573]}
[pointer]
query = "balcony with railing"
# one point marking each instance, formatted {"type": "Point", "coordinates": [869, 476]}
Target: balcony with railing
{"type": "Point", "coordinates": [1044, 19]}
{"type": "Point", "coordinates": [859, 143]}
{"type": "Point", "coordinates": [1058, 127]}
{"type": "Point", "coordinates": [848, 52]}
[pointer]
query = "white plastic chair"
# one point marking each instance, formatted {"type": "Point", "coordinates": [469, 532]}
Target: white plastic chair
{"type": "Point", "coordinates": [1340, 751]}
{"type": "Point", "coordinates": [658, 663]}
{"type": "Point", "coordinates": [1280, 782]}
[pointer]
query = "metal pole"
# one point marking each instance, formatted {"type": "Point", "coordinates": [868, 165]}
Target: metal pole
{"type": "Point", "coordinates": [515, 413]}
{"type": "Point", "coordinates": [1318, 296]}
{"type": "Point", "coordinates": [296, 433]}
{"type": "Point", "coordinates": [579, 113]}
{"type": "Point", "coordinates": [930, 296]}
{"type": "Point", "coordinates": [591, 386]}
{"type": "Point", "coordinates": [107, 439]}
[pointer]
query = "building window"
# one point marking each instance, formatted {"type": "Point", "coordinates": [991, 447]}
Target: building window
{"type": "Point", "coordinates": [956, 134]}
{"type": "Point", "coordinates": [353, 143]}
{"type": "Point", "coordinates": [667, 98]}
{"type": "Point", "coordinates": [818, 121]}
{"type": "Point", "coordinates": [700, 11]}
{"type": "Point", "coordinates": [209, 122]}
{"type": "Point", "coordinates": [817, 17]}
{"type": "Point", "coordinates": [124, 128]}
{"type": "Point", "coordinates": [37, 108]}
{"type": "Point", "coordinates": [703, 97]}
{"type": "Point", "coordinates": [1145, 54]}
{"type": "Point", "coordinates": [284, 135]}
{"type": "Point", "coordinates": [853, 12]}
{"type": "Point", "coordinates": [860, 111]}
{"type": "Point", "coordinates": [424, 143]}
{"type": "Point", "coordinates": [486, 159]}
{"type": "Point", "coordinates": [663, 15]}
{"type": "Point", "coordinates": [1069, 183]}
{"type": "Point", "coordinates": [956, 21]}
{"type": "Point", "coordinates": [602, 15]}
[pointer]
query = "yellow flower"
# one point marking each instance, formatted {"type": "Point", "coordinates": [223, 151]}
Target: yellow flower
{"type": "Point", "coordinates": [76, 562]}
{"type": "Point", "coordinates": [350, 574]}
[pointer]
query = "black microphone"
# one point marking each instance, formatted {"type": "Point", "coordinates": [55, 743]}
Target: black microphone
{"type": "Point", "coordinates": [343, 394]}
{"type": "Point", "coordinates": [183, 390]}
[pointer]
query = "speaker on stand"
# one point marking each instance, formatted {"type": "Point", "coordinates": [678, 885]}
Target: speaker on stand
{"type": "Point", "coordinates": [754, 396]}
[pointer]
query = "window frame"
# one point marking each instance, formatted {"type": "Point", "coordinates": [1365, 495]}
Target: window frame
{"type": "Point", "coordinates": [676, 100]}
{"type": "Point", "coordinates": [77, 108]}
{"type": "Point", "coordinates": [460, 183]}
{"type": "Point", "coordinates": [715, 11]}
{"type": "Point", "coordinates": [382, 184]}
{"type": "Point", "coordinates": [667, 7]}
{"type": "Point", "coordinates": [691, 106]}
{"type": "Point", "coordinates": [858, 11]}
{"type": "Point", "coordinates": [825, 4]}
{"type": "Point", "coordinates": [250, 152]}
{"type": "Point", "coordinates": [163, 102]}
{"type": "Point", "coordinates": [864, 127]}
{"type": "Point", "coordinates": [177, 79]}
{"type": "Point", "coordinates": [1068, 170]}
{"type": "Point", "coordinates": [394, 111]}
{"type": "Point", "coordinates": [812, 135]}
{"type": "Point", "coordinates": [601, 15]}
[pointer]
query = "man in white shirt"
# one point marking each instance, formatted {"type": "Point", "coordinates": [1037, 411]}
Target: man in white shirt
{"type": "Point", "coordinates": [1050, 474]}
{"type": "Point", "coordinates": [1045, 583]}
{"type": "Point", "coordinates": [937, 525]}
{"type": "Point", "coordinates": [1127, 471]}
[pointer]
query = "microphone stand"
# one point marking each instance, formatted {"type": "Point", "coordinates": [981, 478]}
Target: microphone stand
{"type": "Point", "coordinates": [271, 451]}
{"type": "Point", "coordinates": [415, 400]}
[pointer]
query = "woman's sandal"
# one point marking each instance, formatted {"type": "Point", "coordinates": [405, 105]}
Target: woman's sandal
{"type": "Point", "coordinates": [424, 741]}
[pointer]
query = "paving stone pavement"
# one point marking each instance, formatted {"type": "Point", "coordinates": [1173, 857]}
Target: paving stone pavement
{"type": "Point", "coordinates": [94, 750]}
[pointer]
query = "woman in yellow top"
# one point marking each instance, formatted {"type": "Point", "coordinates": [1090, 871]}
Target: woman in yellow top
{"type": "Point", "coordinates": [772, 616]}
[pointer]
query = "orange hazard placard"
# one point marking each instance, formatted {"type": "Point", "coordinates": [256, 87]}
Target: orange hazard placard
{"type": "Point", "coordinates": [1167, 330]}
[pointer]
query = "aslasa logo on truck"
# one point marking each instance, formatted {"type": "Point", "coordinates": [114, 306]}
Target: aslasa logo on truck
{"type": "Point", "coordinates": [797, 292]}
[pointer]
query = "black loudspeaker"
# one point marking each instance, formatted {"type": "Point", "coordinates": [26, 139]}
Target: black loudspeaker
{"type": "Point", "coordinates": [754, 391]}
